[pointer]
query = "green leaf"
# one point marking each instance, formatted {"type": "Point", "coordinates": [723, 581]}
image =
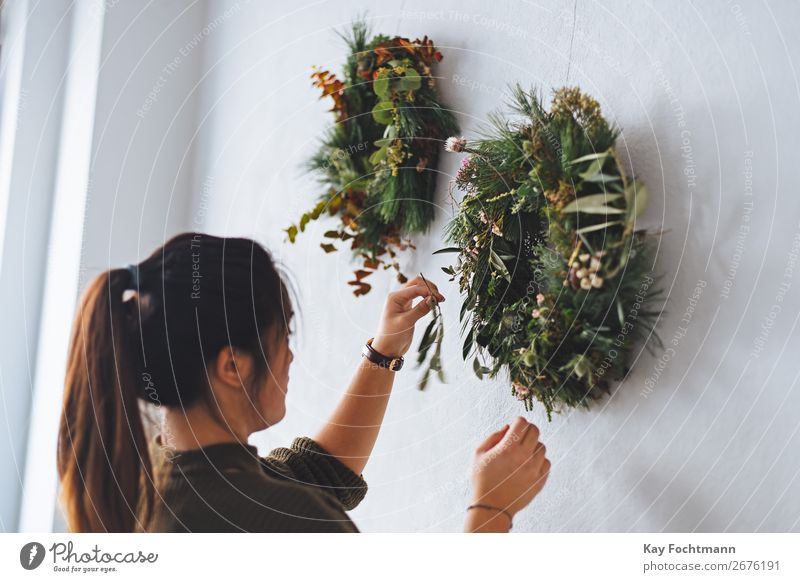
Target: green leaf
{"type": "Point", "coordinates": [598, 226]}
{"type": "Point", "coordinates": [477, 368]}
{"type": "Point", "coordinates": [594, 204]}
{"type": "Point", "coordinates": [467, 347]}
{"type": "Point", "coordinates": [590, 157]}
{"type": "Point", "coordinates": [463, 311]}
{"type": "Point", "coordinates": [636, 199]}
{"type": "Point", "coordinates": [328, 247]}
{"type": "Point", "coordinates": [377, 156]}
{"type": "Point", "coordinates": [529, 359]}
{"type": "Point", "coordinates": [383, 142]}
{"type": "Point", "coordinates": [292, 233]}
{"type": "Point", "coordinates": [581, 367]}
{"type": "Point", "coordinates": [593, 170]}
{"type": "Point", "coordinates": [382, 112]}
{"type": "Point", "coordinates": [599, 177]}
{"type": "Point", "coordinates": [410, 82]}
{"type": "Point", "coordinates": [332, 234]}
{"type": "Point", "coordinates": [381, 86]}
{"type": "Point", "coordinates": [498, 264]}
{"type": "Point", "coordinates": [424, 382]}
{"type": "Point", "coordinates": [447, 250]}
{"type": "Point", "coordinates": [427, 340]}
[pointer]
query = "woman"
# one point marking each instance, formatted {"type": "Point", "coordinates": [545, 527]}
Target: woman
{"type": "Point", "coordinates": [201, 328]}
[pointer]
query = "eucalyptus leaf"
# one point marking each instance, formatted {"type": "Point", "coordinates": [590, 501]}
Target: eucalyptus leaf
{"type": "Point", "coordinates": [592, 199]}
{"type": "Point", "coordinates": [477, 368]}
{"type": "Point", "coordinates": [636, 199]}
{"type": "Point", "coordinates": [581, 367]}
{"type": "Point", "coordinates": [382, 112]}
{"type": "Point", "coordinates": [593, 170]}
{"type": "Point", "coordinates": [410, 82]}
{"type": "Point", "coordinates": [595, 227]}
{"type": "Point", "coordinates": [590, 157]}
{"type": "Point", "coordinates": [467, 347]}
{"type": "Point", "coordinates": [599, 177]}
{"type": "Point", "coordinates": [381, 86]}
{"type": "Point", "coordinates": [498, 264]}
{"type": "Point", "coordinates": [378, 156]}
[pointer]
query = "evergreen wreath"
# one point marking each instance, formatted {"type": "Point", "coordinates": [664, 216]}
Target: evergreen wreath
{"type": "Point", "coordinates": [378, 162]}
{"type": "Point", "coordinates": [556, 276]}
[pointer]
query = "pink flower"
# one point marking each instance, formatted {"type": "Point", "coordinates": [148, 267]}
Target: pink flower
{"type": "Point", "coordinates": [522, 392]}
{"type": "Point", "coordinates": [539, 299]}
{"type": "Point", "coordinates": [455, 144]}
{"type": "Point", "coordinates": [483, 217]}
{"type": "Point", "coordinates": [496, 229]}
{"type": "Point", "coordinates": [536, 313]}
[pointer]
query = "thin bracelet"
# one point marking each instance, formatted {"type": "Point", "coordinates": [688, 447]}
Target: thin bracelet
{"type": "Point", "coordinates": [493, 508]}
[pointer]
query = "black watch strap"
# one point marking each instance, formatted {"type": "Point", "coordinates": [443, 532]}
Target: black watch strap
{"type": "Point", "coordinates": [377, 358]}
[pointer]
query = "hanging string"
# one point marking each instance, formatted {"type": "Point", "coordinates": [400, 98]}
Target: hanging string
{"type": "Point", "coordinates": [571, 39]}
{"type": "Point", "coordinates": [400, 20]}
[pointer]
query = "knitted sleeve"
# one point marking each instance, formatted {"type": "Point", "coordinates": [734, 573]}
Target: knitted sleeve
{"type": "Point", "coordinates": [306, 462]}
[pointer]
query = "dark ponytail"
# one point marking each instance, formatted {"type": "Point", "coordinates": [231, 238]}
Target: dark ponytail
{"type": "Point", "coordinates": [103, 458]}
{"type": "Point", "coordinates": [145, 334]}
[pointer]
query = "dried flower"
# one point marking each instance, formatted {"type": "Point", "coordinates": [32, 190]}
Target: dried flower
{"type": "Point", "coordinates": [496, 229]}
{"type": "Point", "coordinates": [596, 281]}
{"type": "Point", "coordinates": [539, 299]}
{"type": "Point", "coordinates": [586, 283]}
{"type": "Point", "coordinates": [522, 392]}
{"type": "Point", "coordinates": [581, 273]}
{"type": "Point", "coordinates": [455, 144]}
{"type": "Point", "coordinates": [594, 265]}
{"type": "Point", "coordinates": [483, 217]}
{"type": "Point", "coordinates": [584, 257]}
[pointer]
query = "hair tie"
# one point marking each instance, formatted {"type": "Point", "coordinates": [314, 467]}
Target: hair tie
{"type": "Point", "coordinates": [133, 271]}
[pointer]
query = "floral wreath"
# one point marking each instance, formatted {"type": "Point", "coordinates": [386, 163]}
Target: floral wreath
{"type": "Point", "coordinates": [379, 159]}
{"type": "Point", "coordinates": [557, 279]}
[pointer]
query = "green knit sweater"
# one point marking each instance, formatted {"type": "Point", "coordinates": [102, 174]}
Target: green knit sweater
{"type": "Point", "coordinates": [229, 488]}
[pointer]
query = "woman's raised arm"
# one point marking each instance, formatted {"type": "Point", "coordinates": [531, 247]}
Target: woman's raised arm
{"type": "Point", "coordinates": [352, 430]}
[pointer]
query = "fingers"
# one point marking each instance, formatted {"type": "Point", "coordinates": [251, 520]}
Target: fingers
{"type": "Point", "coordinates": [407, 294]}
{"type": "Point", "coordinates": [539, 453]}
{"type": "Point", "coordinates": [420, 281]}
{"type": "Point", "coordinates": [530, 436]}
{"type": "Point", "coordinates": [421, 309]}
{"type": "Point", "coordinates": [492, 440]}
{"type": "Point", "coordinates": [523, 432]}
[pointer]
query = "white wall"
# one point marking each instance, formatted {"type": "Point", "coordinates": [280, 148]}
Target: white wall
{"type": "Point", "coordinates": [714, 446]}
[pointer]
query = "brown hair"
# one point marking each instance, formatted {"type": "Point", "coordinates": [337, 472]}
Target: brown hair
{"type": "Point", "coordinates": [145, 333]}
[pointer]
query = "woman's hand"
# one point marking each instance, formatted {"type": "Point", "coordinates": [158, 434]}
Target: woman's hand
{"type": "Point", "coordinates": [396, 330]}
{"type": "Point", "coordinates": [510, 469]}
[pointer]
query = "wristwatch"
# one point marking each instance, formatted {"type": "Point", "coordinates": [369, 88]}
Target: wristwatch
{"type": "Point", "coordinates": [377, 358]}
